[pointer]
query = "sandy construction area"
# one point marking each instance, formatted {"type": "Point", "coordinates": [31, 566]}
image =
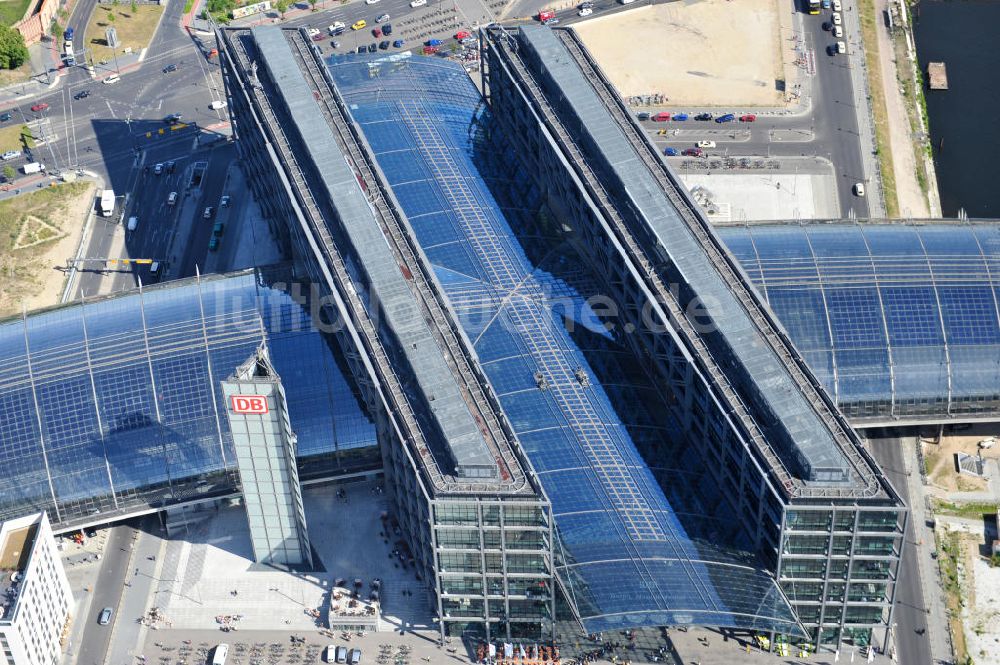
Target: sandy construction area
{"type": "Point", "coordinates": [700, 53]}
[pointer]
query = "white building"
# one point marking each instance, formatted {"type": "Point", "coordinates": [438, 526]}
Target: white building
{"type": "Point", "coordinates": [35, 598]}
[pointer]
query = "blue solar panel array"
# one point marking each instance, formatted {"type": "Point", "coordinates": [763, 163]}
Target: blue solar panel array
{"type": "Point", "coordinates": [109, 406]}
{"type": "Point", "coordinates": [898, 321]}
{"type": "Point", "coordinates": [625, 556]}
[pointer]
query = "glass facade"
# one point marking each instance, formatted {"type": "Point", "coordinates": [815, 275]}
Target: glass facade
{"type": "Point", "coordinates": [114, 405]}
{"type": "Point", "coordinates": [897, 320]}
{"type": "Point", "coordinates": [624, 555]}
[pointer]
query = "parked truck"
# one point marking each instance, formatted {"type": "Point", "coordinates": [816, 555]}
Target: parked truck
{"type": "Point", "coordinates": [107, 202]}
{"type": "Point", "coordinates": [33, 167]}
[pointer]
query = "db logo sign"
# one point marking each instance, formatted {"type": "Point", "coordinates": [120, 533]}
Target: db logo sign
{"type": "Point", "coordinates": [248, 404]}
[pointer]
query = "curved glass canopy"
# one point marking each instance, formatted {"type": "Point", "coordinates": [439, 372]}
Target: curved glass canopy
{"type": "Point", "coordinates": [899, 321]}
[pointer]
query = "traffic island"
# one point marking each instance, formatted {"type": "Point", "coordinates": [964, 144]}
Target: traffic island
{"type": "Point", "coordinates": [134, 27]}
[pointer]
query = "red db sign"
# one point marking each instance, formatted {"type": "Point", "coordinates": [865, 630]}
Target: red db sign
{"type": "Point", "coordinates": [248, 404]}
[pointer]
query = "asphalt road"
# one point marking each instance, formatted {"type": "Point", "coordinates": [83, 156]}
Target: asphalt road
{"type": "Point", "coordinates": [910, 614]}
{"type": "Point", "coordinates": [106, 593]}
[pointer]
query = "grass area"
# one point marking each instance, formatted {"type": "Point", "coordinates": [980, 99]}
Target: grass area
{"type": "Point", "coordinates": [967, 510]}
{"type": "Point", "coordinates": [951, 553]}
{"type": "Point", "coordinates": [12, 76]}
{"type": "Point", "coordinates": [12, 11]}
{"type": "Point", "coordinates": [24, 271]}
{"type": "Point", "coordinates": [869, 24]}
{"type": "Point", "coordinates": [10, 138]}
{"type": "Point", "coordinates": [916, 109]}
{"type": "Point", "coordinates": [135, 29]}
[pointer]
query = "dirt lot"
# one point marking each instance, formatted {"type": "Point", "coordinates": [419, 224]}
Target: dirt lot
{"type": "Point", "coordinates": [940, 458]}
{"type": "Point", "coordinates": [38, 231]}
{"type": "Point", "coordinates": [707, 53]}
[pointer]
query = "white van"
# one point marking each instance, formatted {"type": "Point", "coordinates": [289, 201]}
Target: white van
{"type": "Point", "coordinates": [219, 657]}
{"type": "Point", "coordinates": [217, 104]}
{"type": "Point", "coordinates": [133, 223]}
{"type": "Point", "coordinates": [114, 78]}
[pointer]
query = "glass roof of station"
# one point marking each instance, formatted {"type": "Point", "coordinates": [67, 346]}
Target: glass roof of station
{"type": "Point", "coordinates": [626, 558]}
{"type": "Point", "coordinates": [107, 406]}
{"type": "Point", "coordinates": [897, 320]}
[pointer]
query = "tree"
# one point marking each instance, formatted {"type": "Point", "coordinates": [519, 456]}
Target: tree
{"type": "Point", "coordinates": [9, 173]}
{"type": "Point", "coordinates": [13, 52]}
{"type": "Point", "coordinates": [281, 6]}
{"type": "Point", "coordinates": [111, 17]}
{"type": "Point", "coordinates": [312, 3]}
{"type": "Point", "coordinates": [57, 30]}
{"type": "Point", "coordinates": [135, 7]}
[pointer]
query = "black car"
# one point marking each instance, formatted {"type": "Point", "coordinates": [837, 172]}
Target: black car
{"type": "Point", "coordinates": [703, 116]}
{"type": "Point", "coordinates": [361, 49]}
{"type": "Point", "coordinates": [387, 29]}
{"type": "Point", "coordinates": [372, 47]}
{"type": "Point", "coordinates": [5, 117]}
{"type": "Point", "coordinates": [384, 45]}
{"type": "Point", "coordinates": [169, 68]}
{"type": "Point", "coordinates": [83, 94]}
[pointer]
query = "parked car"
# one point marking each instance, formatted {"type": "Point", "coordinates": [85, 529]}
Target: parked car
{"type": "Point", "coordinates": [748, 117]}
{"type": "Point", "coordinates": [643, 115]}
{"type": "Point", "coordinates": [398, 43]}
{"type": "Point", "coordinates": [334, 43]}
{"type": "Point", "coordinates": [362, 49]}
{"type": "Point", "coordinates": [837, 6]}
{"type": "Point", "coordinates": [841, 47]}
{"type": "Point", "coordinates": [679, 117]}
{"type": "Point", "coordinates": [434, 42]}
{"type": "Point", "coordinates": [372, 47]}
{"type": "Point", "coordinates": [693, 152]}
{"type": "Point", "coordinates": [383, 45]}
{"type": "Point", "coordinates": [382, 18]}
{"type": "Point", "coordinates": [706, 144]}
{"type": "Point", "coordinates": [377, 32]}
{"type": "Point", "coordinates": [662, 116]}
{"type": "Point", "coordinates": [838, 31]}
{"type": "Point", "coordinates": [704, 117]}
{"type": "Point", "coordinates": [670, 152]}
{"type": "Point", "coordinates": [10, 154]}
{"type": "Point", "coordinates": [5, 117]}
{"type": "Point", "coordinates": [837, 20]}
{"type": "Point", "coordinates": [39, 107]}
{"type": "Point", "coordinates": [387, 29]}
{"type": "Point", "coordinates": [729, 117]}
{"type": "Point", "coordinates": [430, 50]}
{"type": "Point", "coordinates": [825, 4]}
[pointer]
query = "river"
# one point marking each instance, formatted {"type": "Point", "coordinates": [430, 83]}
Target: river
{"type": "Point", "coordinates": [965, 119]}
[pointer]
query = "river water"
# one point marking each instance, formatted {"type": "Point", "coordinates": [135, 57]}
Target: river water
{"type": "Point", "coordinates": [965, 119]}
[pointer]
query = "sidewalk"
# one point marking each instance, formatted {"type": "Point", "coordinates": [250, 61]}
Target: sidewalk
{"type": "Point", "coordinates": [937, 621]}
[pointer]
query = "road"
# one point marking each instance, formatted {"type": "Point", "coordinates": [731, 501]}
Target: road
{"type": "Point", "coordinates": [910, 614]}
{"type": "Point", "coordinates": [106, 593]}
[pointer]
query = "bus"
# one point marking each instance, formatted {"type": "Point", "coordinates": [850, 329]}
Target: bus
{"type": "Point", "coordinates": [813, 6]}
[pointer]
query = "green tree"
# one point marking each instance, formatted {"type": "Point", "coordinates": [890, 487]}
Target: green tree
{"type": "Point", "coordinates": [9, 173]}
{"type": "Point", "coordinates": [13, 52]}
{"type": "Point", "coordinates": [312, 3]}
{"type": "Point", "coordinates": [57, 30]}
{"type": "Point", "coordinates": [135, 7]}
{"type": "Point", "coordinates": [111, 17]}
{"type": "Point", "coordinates": [281, 6]}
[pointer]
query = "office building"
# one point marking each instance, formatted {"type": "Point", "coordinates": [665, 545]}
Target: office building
{"type": "Point", "coordinates": [35, 598]}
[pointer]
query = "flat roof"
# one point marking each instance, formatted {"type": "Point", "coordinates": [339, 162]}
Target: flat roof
{"type": "Point", "coordinates": [15, 554]}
